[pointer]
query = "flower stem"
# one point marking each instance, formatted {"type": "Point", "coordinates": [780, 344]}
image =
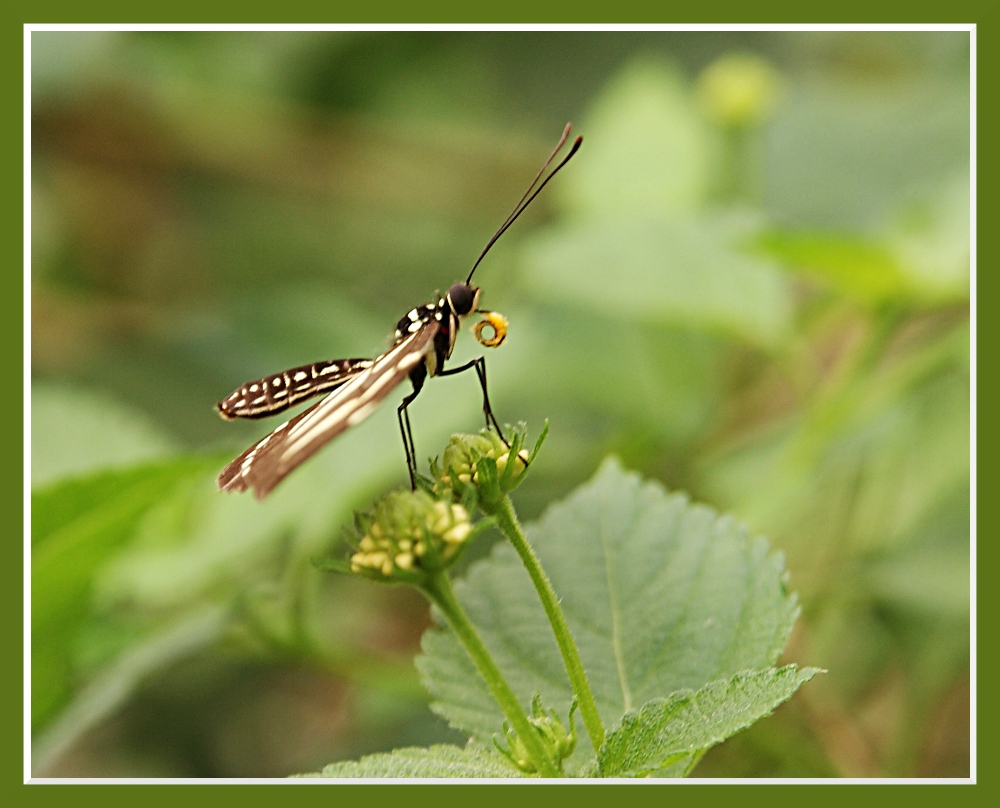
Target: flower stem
{"type": "Point", "coordinates": [439, 590]}
{"type": "Point", "coordinates": [507, 522]}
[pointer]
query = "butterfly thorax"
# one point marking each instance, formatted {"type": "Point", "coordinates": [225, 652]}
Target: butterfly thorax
{"type": "Point", "coordinates": [416, 318]}
{"type": "Point", "coordinates": [447, 312]}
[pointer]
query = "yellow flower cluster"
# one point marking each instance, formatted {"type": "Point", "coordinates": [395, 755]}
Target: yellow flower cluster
{"type": "Point", "coordinates": [408, 532]}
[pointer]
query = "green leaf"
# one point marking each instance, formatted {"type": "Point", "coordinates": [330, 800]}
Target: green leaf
{"type": "Point", "coordinates": [648, 150]}
{"type": "Point", "coordinates": [862, 268]}
{"type": "Point", "coordinates": [436, 761]}
{"type": "Point", "coordinates": [75, 431]}
{"type": "Point", "coordinates": [677, 270]}
{"type": "Point", "coordinates": [931, 580]}
{"type": "Point", "coordinates": [930, 237]}
{"type": "Point", "coordinates": [843, 154]}
{"type": "Point", "coordinates": [665, 730]}
{"type": "Point", "coordinates": [660, 595]}
{"type": "Point", "coordinates": [861, 467]}
{"type": "Point", "coordinates": [922, 254]}
{"type": "Point", "coordinates": [109, 688]}
{"type": "Point", "coordinates": [662, 378]}
{"type": "Point", "coordinates": [76, 526]}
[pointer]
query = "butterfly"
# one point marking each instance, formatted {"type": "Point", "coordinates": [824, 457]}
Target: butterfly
{"type": "Point", "coordinates": [422, 344]}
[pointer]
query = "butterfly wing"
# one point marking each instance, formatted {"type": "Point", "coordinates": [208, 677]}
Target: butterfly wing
{"type": "Point", "coordinates": [273, 394]}
{"type": "Point", "coordinates": [273, 457]}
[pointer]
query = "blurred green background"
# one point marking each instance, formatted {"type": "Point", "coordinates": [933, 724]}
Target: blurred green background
{"type": "Point", "coordinates": [752, 284]}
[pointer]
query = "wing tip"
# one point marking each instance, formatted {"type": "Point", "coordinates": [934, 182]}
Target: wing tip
{"type": "Point", "coordinates": [230, 479]}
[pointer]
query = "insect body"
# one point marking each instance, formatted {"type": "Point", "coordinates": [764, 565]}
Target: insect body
{"type": "Point", "coordinates": [422, 344]}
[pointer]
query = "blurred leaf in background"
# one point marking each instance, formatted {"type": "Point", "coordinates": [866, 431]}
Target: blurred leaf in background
{"type": "Point", "coordinates": [752, 283]}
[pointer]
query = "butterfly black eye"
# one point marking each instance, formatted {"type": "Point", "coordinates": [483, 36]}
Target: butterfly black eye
{"type": "Point", "coordinates": [462, 298]}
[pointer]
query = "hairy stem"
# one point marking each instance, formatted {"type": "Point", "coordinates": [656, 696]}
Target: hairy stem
{"type": "Point", "coordinates": [507, 522]}
{"type": "Point", "coordinates": [440, 592]}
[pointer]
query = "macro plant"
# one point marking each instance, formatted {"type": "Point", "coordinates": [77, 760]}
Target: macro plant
{"type": "Point", "coordinates": [752, 283]}
{"type": "Point", "coordinates": [656, 619]}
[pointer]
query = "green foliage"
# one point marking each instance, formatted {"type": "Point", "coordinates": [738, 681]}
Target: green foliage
{"type": "Point", "coordinates": [655, 592]}
{"type": "Point", "coordinates": [437, 761]}
{"type": "Point", "coordinates": [660, 596]}
{"type": "Point", "coordinates": [678, 270]}
{"type": "Point", "coordinates": [859, 268]}
{"type": "Point", "coordinates": [650, 152]}
{"type": "Point", "coordinates": [752, 284]}
{"type": "Point", "coordinates": [663, 732]}
{"type": "Point", "coordinates": [76, 527]}
{"type": "Point", "coordinates": [557, 739]}
{"type": "Point", "coordinates": [74, 432]}
{"type": "Point", "coordinates": [842, 152]}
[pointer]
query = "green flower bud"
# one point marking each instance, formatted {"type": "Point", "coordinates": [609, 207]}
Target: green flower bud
{"type": "Point", "coordinates": [558, 742]}
{"type": "Point", "coordinates": [408, 534]}
{"type": "Point", "coordinates": [739, 90]}
{"type": "Point", "coordinates": [478, 468]}
{"type": "Point", "coordinates": [516, 752]}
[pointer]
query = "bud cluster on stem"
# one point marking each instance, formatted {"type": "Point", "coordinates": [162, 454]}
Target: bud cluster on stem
{"type": "Point", "coordinates": [484, 465]}
{"type": "Point", "coordinates": [416, 536]}
{"type": "Point", "coordinates": [559, 742]}
{"type": "Point", "coordinates": [408, 535]}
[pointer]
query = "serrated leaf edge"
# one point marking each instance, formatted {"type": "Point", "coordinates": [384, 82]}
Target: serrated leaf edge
{"type": "Point", "coordinates": [634, 718]}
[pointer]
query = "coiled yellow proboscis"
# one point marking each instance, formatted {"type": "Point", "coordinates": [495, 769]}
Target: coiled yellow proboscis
{"type": "Point", "coordinates": [495, 321]}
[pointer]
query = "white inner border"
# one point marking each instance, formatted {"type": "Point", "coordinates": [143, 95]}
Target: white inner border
{"type": "Point", "coordinates": [28, 29]}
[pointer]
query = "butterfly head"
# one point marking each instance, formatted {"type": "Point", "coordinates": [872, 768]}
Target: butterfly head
{"type": "Point", "coordinates": [463, 298]}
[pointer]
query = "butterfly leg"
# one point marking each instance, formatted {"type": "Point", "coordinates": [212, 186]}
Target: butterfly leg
{"type": "Point", "coordinates": [403, 416]}
{"type": "Point", "coordinates": [405, 430]}
{"type": "Point", "coordinates": [479, 363]}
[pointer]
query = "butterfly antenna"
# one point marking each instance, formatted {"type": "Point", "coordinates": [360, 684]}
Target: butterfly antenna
{"type": "Point", "coordinates": [530, 194]}
{"type": "Point", "coordinates": [541, 171]}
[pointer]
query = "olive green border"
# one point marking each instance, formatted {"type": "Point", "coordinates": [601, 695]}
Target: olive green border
{"type": "Point", "coordinates": [985, 15]}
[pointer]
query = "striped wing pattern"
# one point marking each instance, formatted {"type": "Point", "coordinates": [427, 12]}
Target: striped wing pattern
{"type": "Point", "coordinates": [273, 394]}
{"type": "Point", "coordinates": [273, 457]}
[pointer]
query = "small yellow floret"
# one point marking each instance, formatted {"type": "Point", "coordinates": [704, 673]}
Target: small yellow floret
{"type": "Point", "coordinates": [458, 533]}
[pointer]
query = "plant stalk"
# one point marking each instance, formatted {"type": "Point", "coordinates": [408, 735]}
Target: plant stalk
{"type": "Point", "coordinates": [440, 592]}
{"type": "Point", "coordinates": [507, 522]}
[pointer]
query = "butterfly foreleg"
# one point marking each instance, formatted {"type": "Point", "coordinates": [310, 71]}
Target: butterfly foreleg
{"type": "Point", "coordinates": [479, 363]}
{"type": "Point", "coordinates": [417, 378]}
